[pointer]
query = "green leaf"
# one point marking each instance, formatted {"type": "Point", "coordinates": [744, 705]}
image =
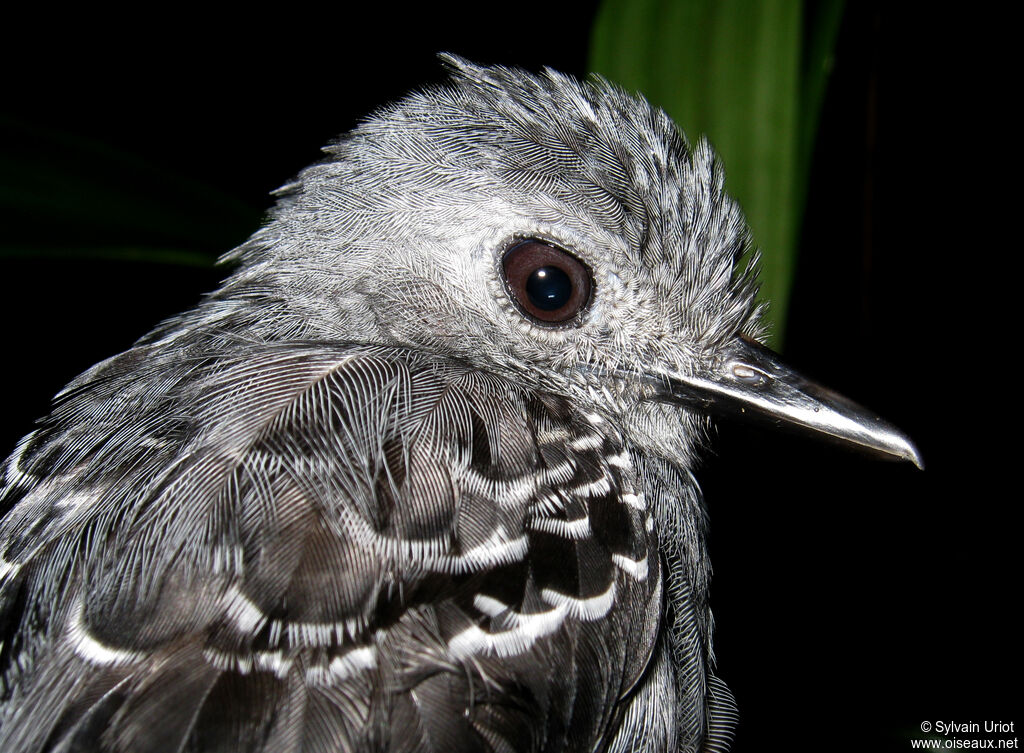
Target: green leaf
{"type": "Point", "coordinates": [738, 72]}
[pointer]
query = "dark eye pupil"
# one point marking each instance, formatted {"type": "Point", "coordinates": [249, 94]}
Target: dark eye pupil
{"type": "Point", "coordinates": [548, 284]}
{"type": "Point", "coordinates": [549, 288]}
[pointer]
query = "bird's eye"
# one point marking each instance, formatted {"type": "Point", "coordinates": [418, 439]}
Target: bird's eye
{"type": "Point", "coordinates": [547, 283]}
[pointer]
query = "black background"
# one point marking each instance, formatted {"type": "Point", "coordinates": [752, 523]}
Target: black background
{"type": "Point", "coordinates": [854, 598]}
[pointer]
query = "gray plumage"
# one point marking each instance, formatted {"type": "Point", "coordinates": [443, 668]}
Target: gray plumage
{"type": "Point", "coordinates": [359, 500]}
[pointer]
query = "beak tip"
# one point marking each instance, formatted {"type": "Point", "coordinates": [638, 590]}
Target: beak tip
{"type": "Point", "coordinates": [912, 454]}
{"type": "Point", "coordinates": [895, 444]}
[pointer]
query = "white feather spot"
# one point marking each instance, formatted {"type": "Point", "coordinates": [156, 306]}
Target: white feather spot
{"type": "Point", "coordinates": [353, 661]}
{"type": "Point", "coordinates": [633, 500]}
{"type": "Point", "coordinates": [559, 474]}
{"type": "Point", "coordinates": [621, 460]}
{"type": "Point", "coordinates": [636, 568]}
{"type": "Point", "coordinates": [492, 553]}
{"type": "Point", "coordinates": [314, 633]}
{"type": "Point", "coordinates": [567, 529]}
{"type": "Point", "coordinates": [549, 503]}
{"type": "Point", "coordinates": [240, 663]}
{"type": "Point", "coordinates": [586, 610]}
{"type": "Point", "coordinates": [594, 488]}
{"type": "Point", "coordinates": [93, 651]}
{"type": "Point", "coordinates": [553, 435]}
{"type": "Point", "coordinates": [508, 493]}
{"type": "Point", "coordinates": [273, 661]}
{"type": "Point", "coordinates": [489, 605]}
{"type": "Point", "coordinates": [342, 667]}
{"type": "Point", "coordinates": [587, 442]}
{"type": "Point", "coordinates": [520, 639]}
{"type": "Point", "coordinates": [248, 617]}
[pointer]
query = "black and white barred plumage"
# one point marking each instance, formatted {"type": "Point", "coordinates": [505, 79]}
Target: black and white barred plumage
{"type": "Point", "coordinates": [357, 500]}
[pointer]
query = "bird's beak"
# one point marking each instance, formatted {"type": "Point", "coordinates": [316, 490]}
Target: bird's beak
{"type": "Point", "coordinates": [751, 381]}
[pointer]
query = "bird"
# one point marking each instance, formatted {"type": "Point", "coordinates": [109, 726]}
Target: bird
{"type": "Point", "coordinates": [419, 476]}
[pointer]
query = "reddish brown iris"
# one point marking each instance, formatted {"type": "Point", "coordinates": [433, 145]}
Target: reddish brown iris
{"type": "Point", "coordinates": [549, 284]}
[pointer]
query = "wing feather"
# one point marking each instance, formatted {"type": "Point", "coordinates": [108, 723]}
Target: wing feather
{"type": "Point", "coordinates": [307, 549]}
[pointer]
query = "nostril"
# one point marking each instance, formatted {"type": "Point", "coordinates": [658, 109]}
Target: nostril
{"type": "Point", "coordinates": [748, 374]}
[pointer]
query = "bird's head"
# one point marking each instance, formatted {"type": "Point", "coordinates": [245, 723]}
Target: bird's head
{"type": "Point", "coordinates": [563, 233]}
